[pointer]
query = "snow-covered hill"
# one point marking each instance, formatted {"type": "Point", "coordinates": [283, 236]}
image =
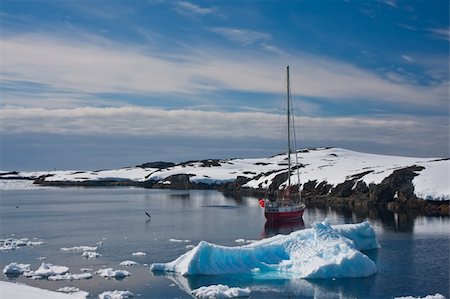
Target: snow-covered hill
{"type": "Point", "coordinates": [332, 166]}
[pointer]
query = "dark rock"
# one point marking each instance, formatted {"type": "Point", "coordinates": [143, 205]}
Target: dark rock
{"type": "Point", "coordinates": [158, 165]}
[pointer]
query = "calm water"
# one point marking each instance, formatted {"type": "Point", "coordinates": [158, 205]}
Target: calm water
{"type": "Point", "coordinates": [413, 260]}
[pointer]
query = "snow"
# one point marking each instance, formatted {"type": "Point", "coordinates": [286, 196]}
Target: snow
{"type": "Point", "coordinates": [19, 291]}
{"type": "Point", "coordinates": [116, 295]}
{"type": "Point", "coordinates": [319, 252]}
{"type": "Point", "coordinates": [15, 269]}
{"type": "Point", "coordinates": [109, 272]}
{"type": "Point", "coordinates": [435, 296]}
{"type": "Point", "coordinates": [330, 165]}
{"type": "Point", "coordinates": [220, 291]}
{"type": "Point", "coordinates": [139, 253]}
{"type": "Point", "coordinates": [128, 263]}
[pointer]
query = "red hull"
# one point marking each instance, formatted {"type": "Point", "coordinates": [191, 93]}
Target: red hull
{"type": "Point", "coordinates": [284, 216]}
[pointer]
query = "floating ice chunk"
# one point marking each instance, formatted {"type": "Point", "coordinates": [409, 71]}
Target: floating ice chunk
{"type": "Point", "coordinates": [46, 270]}
{"type": "Point", "coordinates": [220, 291]}
{"type": "Point", "coordinates": [139, 253]}
{"type": "Point", "coordinates": [74, 291]}
{"type": "Point", "coordinates": [116, 295]}
{"type": "Point", "coordinates": [16, 269]}
{"type": "Point", "coordinates": [79, 248]}
{"type": "Point", "coordinates": [435, 296]}
{"type": "Point", "coordinates": [179, 241]}
{"type": "Point", "coordinates": [319, 252]}
{"type": "Point", "coordinates": [13, 244]}
{"type": "Point", "coordinates": [109, 272]}
{"type": "Point", "coordinates": [128, 263]}
{"type": "Point", "coordinates": [90, 254]}
{"type": "Point", "coordinates": [70, 276]}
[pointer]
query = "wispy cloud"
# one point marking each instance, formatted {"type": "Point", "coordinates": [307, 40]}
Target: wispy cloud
{"type": "Point", "coordinates": [188, 8]}
{"type": "Point", "coordinates": [407, 58]}
{"type": "Point", "coordinates": [78, 67]}
{"type": "Point", "coordinates": [242, 36]}
{"type": "Point", "coordinates": [440, 33]}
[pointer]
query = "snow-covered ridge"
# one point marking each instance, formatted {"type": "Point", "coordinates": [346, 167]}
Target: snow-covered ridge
{"type": "Point", "coordinates": [330, 165]}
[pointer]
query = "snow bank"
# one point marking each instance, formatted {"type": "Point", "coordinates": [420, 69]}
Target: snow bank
{"type": "Point", "coordinates": [109, 272]}
{"type": "Point", "coordinates": [16, 269]}
{"type": "Point", "coordinates": [435, 296]}
{"type": "Point", "coordinates": [220, 291]}
{"type": "Point", "coordinates": [319, 252]}
{"type": "Point", "coordinates": [116, 295]}
{"type": "Point", "coordinates": [20, 291]}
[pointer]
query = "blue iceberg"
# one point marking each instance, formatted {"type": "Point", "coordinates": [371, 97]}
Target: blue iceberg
{"type": "Point", "coordinates": [319, 252]}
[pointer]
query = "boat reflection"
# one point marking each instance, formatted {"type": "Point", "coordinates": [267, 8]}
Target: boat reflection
{"type": "Point", "coordinates": [275, 228]}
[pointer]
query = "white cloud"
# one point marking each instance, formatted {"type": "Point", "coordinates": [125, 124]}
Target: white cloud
{"type": "Point", "coordinates": [77, 68]}
{"type": "Point", "coordinates": [185, 7]}
{"type": "Point", "coordinates": [242, 36]}
{"type": "Point", "coordinates": [407, 58]}
{"type": "Point", "coordinates": [143, 121]}
{"type": "Point", "coordinates": [440, 33]}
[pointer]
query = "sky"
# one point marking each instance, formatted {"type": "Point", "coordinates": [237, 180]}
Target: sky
{"type": "Point", "coordinates": [107, 84]}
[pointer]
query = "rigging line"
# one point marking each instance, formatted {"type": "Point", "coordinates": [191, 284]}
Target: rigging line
{"type": "Point", "coordinates": [296, 152]}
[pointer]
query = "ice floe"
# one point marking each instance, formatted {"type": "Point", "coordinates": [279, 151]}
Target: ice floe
{"type": "Point", "coordinates": [79, 248]}
{"type": "Point", "coordinates": [116, 295]}
{"type": "Point", "coordinates": [220, 291]}
{"type": "Point", "coordinates": [13, 244]}
{"type": "Point", "coordinates": [46, 270]}
{"type": "Point", "coordinates": [139, 253]}
{"type": "Point", "coordinates": [16, 269]}
{"type": "Point", "coordinates": [128, 263]}
{"type": "Point", "coordinates": [109, 272]}
{"type": "Point", "coordinates": [70, 276]}
{"type": "Point", "coordinates": [90, 254]}
{"type": "Point", "coordinates": [319, 252]}
{"type": "Point", "coordinates": [435, 296]}
{"type": "Point", "coordinates": [179, 241]}
{"type": "Point", "coordinates": [73, 291]}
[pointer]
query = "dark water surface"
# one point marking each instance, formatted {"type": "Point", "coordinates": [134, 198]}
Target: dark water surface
{"type": "Point", "coordinates": [413, 260]}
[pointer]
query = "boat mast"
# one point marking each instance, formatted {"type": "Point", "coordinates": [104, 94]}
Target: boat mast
{"type": "Point", "coordinates": [289, 126]}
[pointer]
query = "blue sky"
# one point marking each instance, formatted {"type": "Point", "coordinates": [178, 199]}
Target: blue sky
{"type": "Point", "coordinates": [103, 84]}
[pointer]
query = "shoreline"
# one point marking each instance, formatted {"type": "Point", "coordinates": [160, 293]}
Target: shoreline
{"type": "Point", "coordinates": [363, 199]}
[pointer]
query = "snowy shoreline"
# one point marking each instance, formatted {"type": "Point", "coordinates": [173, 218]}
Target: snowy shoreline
{"type": "Point", "coordinates": [330, 175]}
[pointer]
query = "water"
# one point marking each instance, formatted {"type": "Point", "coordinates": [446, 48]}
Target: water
{"type": "Point", "coordinates": [413, 260]}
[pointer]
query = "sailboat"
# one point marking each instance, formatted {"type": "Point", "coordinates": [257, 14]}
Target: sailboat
{"type": "Point", "coordinates": [287, 205]}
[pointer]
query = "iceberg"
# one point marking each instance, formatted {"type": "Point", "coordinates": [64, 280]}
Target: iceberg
{"type": "Point", "coordinates": [319, 252]}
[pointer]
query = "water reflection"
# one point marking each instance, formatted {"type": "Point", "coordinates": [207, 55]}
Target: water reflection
{"type": "Point", "coordinates": [408, 221]}
{"type": "Point", "coordinates": [337, 288]}
{"type": "Point", "coordinates": [274, 228]}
